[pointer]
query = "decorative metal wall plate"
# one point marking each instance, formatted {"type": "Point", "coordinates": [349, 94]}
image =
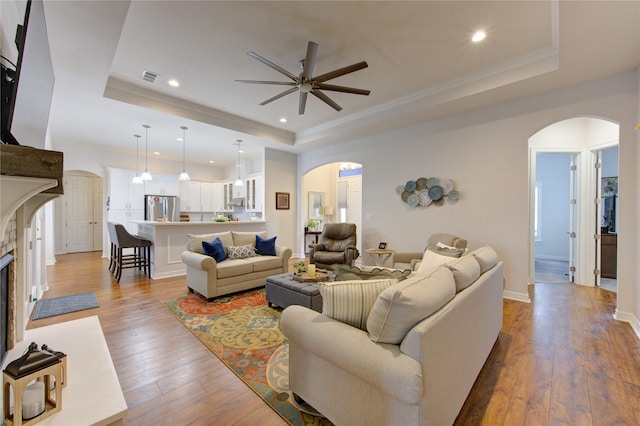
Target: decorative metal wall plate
{"type": "Point", "coordinates": [427, 191]}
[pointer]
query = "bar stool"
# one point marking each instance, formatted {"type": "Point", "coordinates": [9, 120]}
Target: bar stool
{"type": "Point", "coordinates": [121, 239]}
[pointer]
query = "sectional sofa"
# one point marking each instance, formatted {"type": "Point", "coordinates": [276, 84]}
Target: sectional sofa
{"type": "Point", "coordinates": [426, 339]}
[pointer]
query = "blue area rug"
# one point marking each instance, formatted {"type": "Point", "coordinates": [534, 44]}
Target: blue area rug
{"type": "Point", "coordinates": [63, 305]}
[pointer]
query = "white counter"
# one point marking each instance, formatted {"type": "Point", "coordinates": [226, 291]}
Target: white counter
{"type": "Point", "coordinates": [170, 240]}
{"type": "Point", "coordinates": [93, 395]}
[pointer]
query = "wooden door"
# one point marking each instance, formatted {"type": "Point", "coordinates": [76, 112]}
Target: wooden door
{"type": "Point", "coordinates": [83, 196]}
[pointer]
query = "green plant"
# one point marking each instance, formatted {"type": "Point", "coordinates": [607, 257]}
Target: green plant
{"type": "Point", "coordinates": [300, 267]}
{"type": "Point", "coordinates": [312, 224]}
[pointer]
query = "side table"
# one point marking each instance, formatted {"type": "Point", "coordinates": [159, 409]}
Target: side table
{"type": "Point", "coordinates": [381, 255]}
{"type": "Point", "coordinates": [316, 234]}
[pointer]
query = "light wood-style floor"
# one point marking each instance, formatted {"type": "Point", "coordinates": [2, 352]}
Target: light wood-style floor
{"type": "Point", "coordinates": [561, 360]}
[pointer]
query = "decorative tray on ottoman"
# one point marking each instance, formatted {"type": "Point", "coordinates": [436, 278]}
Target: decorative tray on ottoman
{"type": "Point", "coordinates": [319, 277]}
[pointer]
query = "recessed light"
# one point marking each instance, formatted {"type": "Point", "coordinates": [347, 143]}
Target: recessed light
{"type": "Point", "coordinates": [156, 153]}
{"type": "Point", "coordinates": [174, 83]}
{"type": "Point", "coordinates": [283, 120]}
{"type": "Point", "coordinates": [478, 36]}
{"type": "Point", "coordinates": [179, 139]}
{"type": "Point", "coordinates": [211, 161]}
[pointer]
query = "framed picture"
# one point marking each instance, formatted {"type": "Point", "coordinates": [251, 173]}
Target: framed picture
{"type": "Point", "coordinates": [282, 201]}
{"type": "Point", "coordinates": [609, 186]}
{"type": "Point", "coordinates": [382, 246]}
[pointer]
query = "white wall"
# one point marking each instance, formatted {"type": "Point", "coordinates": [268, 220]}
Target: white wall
{"type": "Point", "coordinates": [552, 170]}
{"type": "Point", "coordinates": [281, 176]}
{"type": "Point", "coordinates": [485, 152]}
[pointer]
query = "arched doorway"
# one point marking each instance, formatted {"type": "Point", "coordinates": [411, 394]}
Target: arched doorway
{"type": "Point", "coordinates": [576, 146]}
{"type": "Point", "coordinates": [339, 185]}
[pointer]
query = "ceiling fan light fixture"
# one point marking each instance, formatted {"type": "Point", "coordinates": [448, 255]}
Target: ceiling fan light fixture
{"type": "Point", "coordinates": [305, 86]}
{"type": "Point", "coordinates": [306, 82]}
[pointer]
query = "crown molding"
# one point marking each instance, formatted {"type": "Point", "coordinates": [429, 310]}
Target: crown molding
{"type": "Point", "coordinates": [136, 95]}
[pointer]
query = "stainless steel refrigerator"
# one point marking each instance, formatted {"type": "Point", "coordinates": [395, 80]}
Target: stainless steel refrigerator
{"type": "Point", "coordinates": [161, 208]}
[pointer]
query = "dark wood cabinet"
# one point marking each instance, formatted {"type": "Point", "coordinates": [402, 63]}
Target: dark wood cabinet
{"type": "Point", "coordinates": [609, 255]}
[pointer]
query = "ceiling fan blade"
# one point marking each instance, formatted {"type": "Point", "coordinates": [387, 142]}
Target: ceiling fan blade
{"type": "Point", "coordinates": [281, 83]}
{"type": "Point", "coordinates": [279, 95]}
{"type": "Point", "coordinates": [302, 103]}
{"type": "Point", "coordinates": [324, 98]}
{"type": "Point", "coordinates": [343, 89]}
{"type": "Point", "coordinates": [272, 65]}
{"type": "Point", "coordinates": [340, 72]}
{"type": "Point", "coordinates": [310, 60]}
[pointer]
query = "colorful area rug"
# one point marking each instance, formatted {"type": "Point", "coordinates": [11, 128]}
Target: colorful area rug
{"type": "Point", "coordinates": [63, 305]}
{"type": "Point", "coordinates": [244, 332]}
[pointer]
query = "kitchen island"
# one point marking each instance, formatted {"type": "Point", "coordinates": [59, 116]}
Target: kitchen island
{"type": "Point", "coordinates": [170, 240]}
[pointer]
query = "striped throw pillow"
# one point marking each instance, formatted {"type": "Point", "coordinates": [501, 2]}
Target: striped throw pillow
{"type": "Point", "coordinates": [350, 301]}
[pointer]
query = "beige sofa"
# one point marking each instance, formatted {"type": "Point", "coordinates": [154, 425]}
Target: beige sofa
{"type": "Point", "coordinates": [211, 278]}
{"type": "Point", "coordinates": [425, 377]}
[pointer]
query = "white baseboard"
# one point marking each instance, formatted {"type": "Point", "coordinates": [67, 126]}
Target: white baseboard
{"type": "Point", "coordinates": [518, 297]}
{"type": "Point", "coordinates": [630, 318]}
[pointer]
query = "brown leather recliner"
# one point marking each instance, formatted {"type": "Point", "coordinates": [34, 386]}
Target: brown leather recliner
{"type": "Point", "coordinates": [337, 246]}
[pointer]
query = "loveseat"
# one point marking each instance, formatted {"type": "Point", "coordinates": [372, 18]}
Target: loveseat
{"type": "Point", "coordinates": [426, 340]}
{"type": "Point", "coordinates": [212, 278]}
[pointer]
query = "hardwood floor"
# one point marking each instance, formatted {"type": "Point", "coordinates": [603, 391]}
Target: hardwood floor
{"type": "Point", "coordinates": [560, 360]}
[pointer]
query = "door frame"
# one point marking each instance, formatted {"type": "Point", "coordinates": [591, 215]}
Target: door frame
{"type": "Point", "coordinates": [63, 208]}
{"type": "Point", "coordinates": [575, 222]}
{"type": "Point", "coordinates": [586, 194]}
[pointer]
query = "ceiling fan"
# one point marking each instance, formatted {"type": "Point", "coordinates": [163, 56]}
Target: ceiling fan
{"type": "Point", "coordinates": [306, 83]}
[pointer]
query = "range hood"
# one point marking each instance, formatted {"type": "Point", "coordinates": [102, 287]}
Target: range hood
{"type": "Point", "coordinates": [29, 178]}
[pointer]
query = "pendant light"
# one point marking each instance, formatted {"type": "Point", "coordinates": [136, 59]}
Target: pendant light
{"type": "Point", "coordinates": [146, 175]}
{"type": "Point", "coordinates": [238, 181]}
{"type": "Point", "coordinates": [137, 178]}
{"type": "Point", "coordinates": [184, 175]}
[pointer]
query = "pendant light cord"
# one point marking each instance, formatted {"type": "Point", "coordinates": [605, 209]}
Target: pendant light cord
{"type": "Point", "coordinates": [146, 146]}
{"type": "Point", "coordinates": [184, 149]}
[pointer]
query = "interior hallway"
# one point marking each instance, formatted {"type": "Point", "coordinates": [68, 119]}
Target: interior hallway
{"type": "Point", "coordinates": [556, 272]}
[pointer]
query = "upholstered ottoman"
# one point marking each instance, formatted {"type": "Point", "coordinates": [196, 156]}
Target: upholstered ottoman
{"type": "Point", "coordinates": [282, 290]}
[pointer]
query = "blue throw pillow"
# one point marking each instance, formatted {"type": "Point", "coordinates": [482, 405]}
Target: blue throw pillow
{"type": "Point", "coordinates": [266, 247]}
{"type": "Point", "coordinates": [214, 249]}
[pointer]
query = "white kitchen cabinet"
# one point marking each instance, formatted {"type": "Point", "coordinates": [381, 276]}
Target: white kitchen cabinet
{"type": "Point", "coordinates": [254, 193]}
{"type": "Point", "coordinates": [206, 196]}
{"type": "Point", "coordinates": [199, 197]}
{"type": "Point", "coordinates": [217, 201]}
{"type": "Point", "coordinates": [162, 185]}
{"type": "Point", "coordinates": [237, 191]}
{"type": "Point", "coordinates": [126, 218]}
{"type": "Point", "coordinates": [190, 196]}
{"type": "Point", "coordinates": [227, 196]}
{"type": "Point", "coordinates": [122, 194]}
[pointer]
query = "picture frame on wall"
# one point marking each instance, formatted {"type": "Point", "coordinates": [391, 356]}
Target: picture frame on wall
{"type": "Point", "coordinates": [609, 186]}
{"type": "Point", "coordinates": [282, 201]}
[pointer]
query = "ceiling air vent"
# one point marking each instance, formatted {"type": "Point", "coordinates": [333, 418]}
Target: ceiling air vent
{"type": "Point", "coordinates": [149, 76]}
